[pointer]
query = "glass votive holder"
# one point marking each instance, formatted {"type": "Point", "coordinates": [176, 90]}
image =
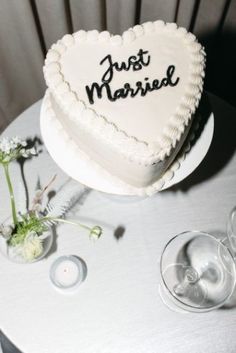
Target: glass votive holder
{"type": "Point", "coordinates": [67, 273]}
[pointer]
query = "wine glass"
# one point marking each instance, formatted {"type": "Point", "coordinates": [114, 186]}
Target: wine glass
{"type": "Point", "coordinates": [198, 272]}
{"type": "Point", "coordinates": [231, 230]}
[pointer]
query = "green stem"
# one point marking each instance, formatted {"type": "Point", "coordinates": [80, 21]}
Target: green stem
{"type": "Point", "coordinates": [45, 219]}
{"type": "Point", "coordinates": [13, 206]}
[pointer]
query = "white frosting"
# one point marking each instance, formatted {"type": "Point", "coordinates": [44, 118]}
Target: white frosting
{"type": "Point", "coordinates": [145, 130]}
{"type": "Point", "coordinates": [130, 114]}
{"type": "Point", "coordinates": [49, 113]}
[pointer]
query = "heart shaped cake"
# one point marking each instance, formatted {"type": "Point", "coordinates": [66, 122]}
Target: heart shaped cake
{"type": "Point", "coordinates": [127, 101]}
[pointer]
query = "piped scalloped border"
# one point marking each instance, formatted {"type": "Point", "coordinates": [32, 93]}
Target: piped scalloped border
{"type": "Point", "coordinates": [129, 146]}
{"type": "Point", "coordinates": [73, 149]}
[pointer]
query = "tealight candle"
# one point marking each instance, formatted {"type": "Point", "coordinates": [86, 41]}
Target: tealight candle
{"type": "Point", "coordinates": [67, 272]}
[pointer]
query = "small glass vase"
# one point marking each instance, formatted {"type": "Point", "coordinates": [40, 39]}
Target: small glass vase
{"type": "Point", "coordinates": [15, 253]}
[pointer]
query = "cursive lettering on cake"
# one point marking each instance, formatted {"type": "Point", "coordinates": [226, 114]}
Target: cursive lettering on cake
{"type": "Point", "coordinates": [135, 62]}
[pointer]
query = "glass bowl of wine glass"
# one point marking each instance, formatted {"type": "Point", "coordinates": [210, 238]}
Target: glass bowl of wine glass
{"type": "Point", "coordinates": [197, 272]}
{"type": "Point", "coordinates": [231, 230]}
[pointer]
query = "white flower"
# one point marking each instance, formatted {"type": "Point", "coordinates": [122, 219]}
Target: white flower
{"type": "Point", "coordinates": [5, 146]}
{"type": "Point", "coordinates": [5, 231]}
{"type": "Point", "coordinates": [17, 140]}
{"type": "Point", "coordinates": [13, 148]}
{"type": "Point", "coordinates": [32, 247]}
{"type": "Point", "coordinates": [24, 153]}
{"type": "Point", "coordinates": [33, 151]}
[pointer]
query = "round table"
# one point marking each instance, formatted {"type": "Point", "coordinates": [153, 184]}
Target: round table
{"type": "Point", "coordinates": [118, 308]}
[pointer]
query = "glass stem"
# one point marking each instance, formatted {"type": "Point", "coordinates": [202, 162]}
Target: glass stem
{"type": "Point", "coordinates": [13, 206]}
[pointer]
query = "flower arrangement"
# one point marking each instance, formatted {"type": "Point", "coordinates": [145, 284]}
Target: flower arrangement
{"type": "Point", "coordinates": [27, 231]}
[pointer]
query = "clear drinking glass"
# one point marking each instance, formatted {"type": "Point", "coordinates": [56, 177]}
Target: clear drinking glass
{"type": "Point", "coordinates": [197, 271]}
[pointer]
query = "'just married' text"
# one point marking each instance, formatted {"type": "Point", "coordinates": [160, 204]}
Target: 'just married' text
{"type": "Point", "coordinates": [135, 63]}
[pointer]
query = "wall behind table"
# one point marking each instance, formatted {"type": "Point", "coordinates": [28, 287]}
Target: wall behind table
{"type": "Point", "coordinates": [29, 27]}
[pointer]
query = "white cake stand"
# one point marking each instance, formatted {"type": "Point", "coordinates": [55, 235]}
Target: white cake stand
{"type": "Point", "coordinates": [87, 173]}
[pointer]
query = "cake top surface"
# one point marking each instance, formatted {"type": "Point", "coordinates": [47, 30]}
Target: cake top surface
{"type": "Point", "coordinates": [141, 87]}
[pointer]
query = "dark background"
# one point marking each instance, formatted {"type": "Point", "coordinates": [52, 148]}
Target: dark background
{"type": "Point", "coordinates": [29, 27]}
